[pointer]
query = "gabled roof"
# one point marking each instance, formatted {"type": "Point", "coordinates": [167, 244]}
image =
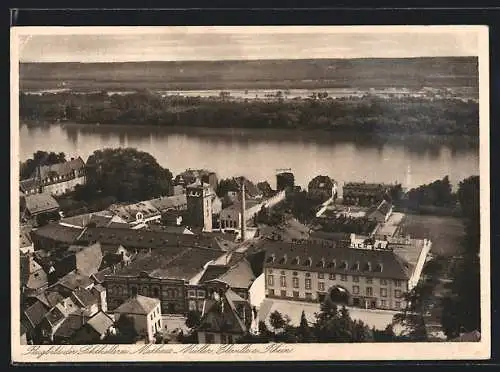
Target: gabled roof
{"type": "Point", "coordinates": [57, 232]}
{"type": "Point", "coordinates": [169, 202]}
{"type": "Point", "coordinates": [320, 258]}
{"type": "Point", "coordinates": [28, 184]}
{"type": "Point", "coordinates": [100, 322]}
{"type": "Point", "coordinates": [100, 275]}
{"type": "Point", "coordinates": [84, 297]}
{"type": "Point", "coordinates": [70, 325]}
{"type": "Point", "coordinates": [88, 259]}
{"type": "Point", "coordinates": [54, 316]}
{"type": "Point", "coordinates": [144, 239]}
{"type": "Point", "coordinates": [213, 272]}
{"type": "Point", "coordinates": [40, 203]}
{"type": "Point", "coordinates": [181, 263]}
{"type": "Point", "coordinates": [73, 281]}
{"type": "Point", "coordinates": [62, 169]}
{"type": "Point", "coordinates": [35, 313]}
{"type": "Point", "coordinates": [139, 305]}
{"type": "Point", "coordinates": [225, 311]}
{"type": "Point", "coordinates": [239, 275]}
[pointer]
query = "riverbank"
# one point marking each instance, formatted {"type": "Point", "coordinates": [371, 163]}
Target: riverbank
{"type": "Point", "coordinates": [366, 114]}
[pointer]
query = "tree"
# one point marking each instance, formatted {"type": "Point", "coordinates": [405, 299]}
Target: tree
{"type": "Point", "coordinates": [40, 158]}
{"type": "Point", "coordinates": [193, 319]}
{"type": "Point", "coordinates": [304, 332]}
{"type": "Point", "coordinates": [278, 321]}
{"type": "Point", "coordinates": [127, 174]}
{"type": "Point", "coordinates": [462, 308]}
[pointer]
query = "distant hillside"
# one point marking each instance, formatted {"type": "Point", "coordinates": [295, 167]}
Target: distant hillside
{"type": "Point", "coordinates": [282, 74]}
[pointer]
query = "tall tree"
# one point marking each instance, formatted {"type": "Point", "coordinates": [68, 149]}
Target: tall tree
{"type": "Point", "coordinates": [462, 308]}
{"type": "Point", "coordinates": [127, 174]}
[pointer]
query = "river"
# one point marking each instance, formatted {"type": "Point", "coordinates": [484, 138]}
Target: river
{"type": "Point", "coordinates": [257, 154]}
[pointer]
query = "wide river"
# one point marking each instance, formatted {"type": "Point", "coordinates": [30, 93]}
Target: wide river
{"type": "Point", "coordinates": [257, 154]}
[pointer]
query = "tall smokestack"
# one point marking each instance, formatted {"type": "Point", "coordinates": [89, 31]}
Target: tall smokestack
{"type": "Point", "coordinates": [243, 215]}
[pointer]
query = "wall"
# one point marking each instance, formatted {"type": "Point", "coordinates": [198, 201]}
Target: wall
{"type": "Point", "coordinates": [63, 187]}
{"type": "Point", "coordinates": [417, 271]}
{"type": "Point", "coordinates": [172, 293]}
{"type": "Point", "coordinates": [329, 282]}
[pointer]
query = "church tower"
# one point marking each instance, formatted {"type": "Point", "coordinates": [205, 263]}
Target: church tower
{"type": "Point", "coordinates": [199, 206]}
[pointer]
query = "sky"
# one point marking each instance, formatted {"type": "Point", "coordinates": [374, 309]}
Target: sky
{"type": "Point", "coordinates": [236, 43]}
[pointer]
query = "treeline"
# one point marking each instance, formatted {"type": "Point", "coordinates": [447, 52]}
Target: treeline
{"type": "Point", "coordinates": [370, 114]}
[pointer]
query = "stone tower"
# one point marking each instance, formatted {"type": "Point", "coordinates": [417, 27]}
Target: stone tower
{"type": "Point", "coordinates": [199, 205]}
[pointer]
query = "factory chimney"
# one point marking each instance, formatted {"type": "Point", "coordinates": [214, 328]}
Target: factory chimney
{"type": "Point", "coordinates": [243, 215]}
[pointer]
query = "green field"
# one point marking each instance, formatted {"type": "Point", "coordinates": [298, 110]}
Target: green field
{"type": "Point", "coordinates": [446, 233]}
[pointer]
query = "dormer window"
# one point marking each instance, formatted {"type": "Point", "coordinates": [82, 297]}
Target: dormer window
{"type": "Point", "coordinates": [378, 268]}
{"type": "Point", "coordinates": [367, 267]}
{"type": "Point", "coordinates": [296, 261]}
{"type": "Point", "coordinates": [344, 265]}
{"type": "Point", "coordinates": [308, 262]}
{"type": "Point", "coordinates": [321, 263]}
{"type": "Point", "coordinates": [355, 267]}
{"type": "Point", "coordinates": [283, 260]}
{"type": "Point", "coordinates": [331, 265]}
{"type": "Point", "coordinates": [270, 259]}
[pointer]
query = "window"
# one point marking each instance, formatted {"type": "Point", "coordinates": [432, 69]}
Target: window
{"type": "Point", "coordinates": [343, 278]}
{"type": "Point", "coordinates": [383, 292]}
{"type": "Point", "coordinates": [222, 339]}
{"type": "Point", "coordinates": [308, 296]}
{"type": "Point", "coordinates": [397, 283]}
{"type": "Point", "coordinates": [308, 283]}
{"type": "Point", "coordinates": [283, 272]}
{"type": "Point", "coordinates": [308, 275]}
{"type": "Point", "coordinates": [271, 292]}
{"type": "Point", "coordinates": [133, 290]}
{"type": "Point", "coordinates": [355, 278]}
{"type": "Point", "coordinates": [369, 280]}
{"type": "Point", "coordinates": [397, 293]}
{"type": "Point", "coordinates": [383, 303]}
{"type": "Point", "coordinates": [283, 281]}
{"type": "Point", "coordinates": [270, 271]}
{"type": "Point", "coordinates": [369, 291]}
{"type": "Point", "coordinates": [383, 281]}
{"type": "Point", "coordinates": [321, 286]}
{"type": "Point", "coordinates": [321, 276]}
{"type": "Point", "coordinates": [295, 282]}
{"type": "Point", "coordinates": [355, 289]}
{"type": "Point", "coordinates": [201, 294]}
{"type": "Point", "coordinates": [295, 273]}
{"type": "Point", "coordinates": [332, 276]}
{"type": "Point", "coordinates": [398, 305]}
{"type": "Point", "coordinates": [296, 294]}
{"type": "Point", "coordinates": [283, 293]}
{"type": "Point", "coordinates": [270, 280]}
{"type": "Point", "coordinates": [156, 292]}
{"type": "Point", "coordinates": [191, 293]}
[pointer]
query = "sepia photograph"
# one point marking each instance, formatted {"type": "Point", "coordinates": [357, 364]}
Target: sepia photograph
{"type": "Point", "coordinates": [198, 193]}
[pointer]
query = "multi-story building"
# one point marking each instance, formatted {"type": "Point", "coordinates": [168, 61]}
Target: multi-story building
{"type": "Point", "coordinates": [56, 179]}
{"type": "Point", "coordinates": [367, 277]}
{"type": "Point", "coordinates": [163, 273]}
{"type": "Point", "coordinates": [145, 314]}
{"type": "Point", "coordinates": [364, 194]}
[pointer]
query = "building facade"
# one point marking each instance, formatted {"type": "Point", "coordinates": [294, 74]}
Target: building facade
{"type": "Point", "coordinates": [145, 313]}
{"type": "Point", "coordinates": [199, 206]}
{"type": "Point", "coordinates": [56, 179]}
{"type": "Point", "coordinates": [170, 292]}
{"type": "Point", "coordinates": [354, 277]}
